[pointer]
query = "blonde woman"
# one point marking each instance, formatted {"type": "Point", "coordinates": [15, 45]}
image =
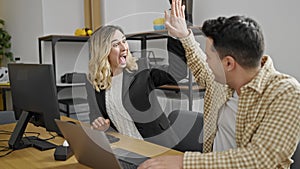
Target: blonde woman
{"type": "Point", "coordinates": [121, 95]}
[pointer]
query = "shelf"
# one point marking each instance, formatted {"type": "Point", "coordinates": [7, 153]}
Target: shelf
{"type": "Point", "coordinates": [58, 38]}
{"type": "Point", "coordinates": [64, 38]}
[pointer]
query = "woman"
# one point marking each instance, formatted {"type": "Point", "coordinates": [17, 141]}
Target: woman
{"type": "Point", "coordinates": [121, 95]}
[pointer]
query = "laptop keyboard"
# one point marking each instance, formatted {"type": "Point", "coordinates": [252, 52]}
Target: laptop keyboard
{"type": "Point", "coordinates": [127, 165]}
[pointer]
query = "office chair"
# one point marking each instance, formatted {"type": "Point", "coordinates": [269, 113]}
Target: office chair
{"type": "Point", "coordinates": [188, 127]}
{"type": "Point", "coordinates": [7, 117]}
{"type": "Point", "coordinates": [296, 158]}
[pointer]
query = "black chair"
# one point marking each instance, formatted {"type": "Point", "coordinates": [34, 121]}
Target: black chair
{"type": "Point", "coordinates": [7, 117]}
{"type": "Point", "coordinates": [296, 158]}
{"type": "Point", "coordinates": [188, 127]}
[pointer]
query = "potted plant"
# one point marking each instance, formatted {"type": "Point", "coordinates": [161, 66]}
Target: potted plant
{"type": "Point", "coordinates": [5, 44]}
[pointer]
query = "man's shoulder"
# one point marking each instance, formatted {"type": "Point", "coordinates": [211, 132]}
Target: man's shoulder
{"type": "Point", "coordinates": [283, 82]}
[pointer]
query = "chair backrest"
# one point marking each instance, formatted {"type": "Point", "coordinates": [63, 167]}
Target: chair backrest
{"type": "Point", "coordinates": [188, 127]}
{"type": "Point", "coordinates": [296, 158]}
{"type": "Point", "coordinates": [7, 117]}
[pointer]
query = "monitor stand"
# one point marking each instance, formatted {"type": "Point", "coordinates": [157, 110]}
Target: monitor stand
{"type": "Point", "coordinates": [17, 141]}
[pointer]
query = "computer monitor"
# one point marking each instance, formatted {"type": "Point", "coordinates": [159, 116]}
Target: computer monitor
{"type": "Point", "coordinates": [34, 99]}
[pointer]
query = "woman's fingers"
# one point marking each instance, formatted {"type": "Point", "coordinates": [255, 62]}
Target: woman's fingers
{"type": "Point", "coordinates": [100, 123]}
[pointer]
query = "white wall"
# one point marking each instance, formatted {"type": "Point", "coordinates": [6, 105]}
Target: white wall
{"type": "Point", "coordinates": [23, 20]}
{"type": "Point", "coordinates": [136, 16]}
{"type": "Point", "coordinates": [279, 20]}
{"type": "Point", "coordinates": [62, 16]}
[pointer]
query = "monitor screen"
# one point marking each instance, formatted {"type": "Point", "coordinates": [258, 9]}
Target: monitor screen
{"type": "Point", "coordinates": [34, 99]}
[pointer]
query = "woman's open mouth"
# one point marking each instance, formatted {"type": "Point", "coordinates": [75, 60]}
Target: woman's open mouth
{"type": "Point", "coordinates": [122, 60]}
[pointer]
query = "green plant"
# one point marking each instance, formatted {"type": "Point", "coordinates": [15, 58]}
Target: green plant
{"type": "Point", "coordinates": [5, 43]}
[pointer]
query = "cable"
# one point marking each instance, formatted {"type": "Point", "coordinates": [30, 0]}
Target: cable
{"type": "Point", "coordinates": [38, 134]}
{"type": "Point", "coordinates": [3, 140]}
{"type": "Point", "coordinates": [3, 155]}
{"type": "Point", "coordinates": [5, 132]}
{"type": "Point", "coordinates": [5, 149]}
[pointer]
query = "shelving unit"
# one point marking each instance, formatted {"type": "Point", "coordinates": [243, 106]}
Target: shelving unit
{"type": "Point", "coordinates": [54, 39]}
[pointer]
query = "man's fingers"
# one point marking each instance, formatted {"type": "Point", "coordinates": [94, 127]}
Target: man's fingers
{"type": "Point", "coordinates": [176, 13]}
{"type": "Point", "coordinates": [167, 17]}
{"type": "Point", "coordinates": [173, 8]}
{"type": "Point", "coordinates": [183, 9]}
{"type": "Point", "coordinates": [167, 20]}
{"type": "Point", "coordinates": [147, 164]}
{"type": "Point", "coordinates": [179, 8]}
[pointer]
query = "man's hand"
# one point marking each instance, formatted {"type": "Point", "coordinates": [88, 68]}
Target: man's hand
{"type": "Point", "coordinates": [175, 21]}
{"type": "Point", "coordinates": [101, 124]}
{"type": "Point", "coordinates": [163, 162]}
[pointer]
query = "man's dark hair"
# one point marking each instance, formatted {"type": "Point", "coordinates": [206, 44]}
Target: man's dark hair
{"type": "Point", "coordinates": [237, 36]}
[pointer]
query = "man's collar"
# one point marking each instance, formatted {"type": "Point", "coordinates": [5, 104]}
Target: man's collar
{"type": "Point", "coordinates": [259, 82]}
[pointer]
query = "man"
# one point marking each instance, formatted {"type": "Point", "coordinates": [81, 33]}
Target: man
{"type": "Point", "coordinates": [251, 111]}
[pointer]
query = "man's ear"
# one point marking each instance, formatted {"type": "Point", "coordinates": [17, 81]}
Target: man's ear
{"type": "Point", "coordinates": [229, 63]}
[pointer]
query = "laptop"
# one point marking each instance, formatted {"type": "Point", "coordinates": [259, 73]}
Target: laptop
{"type": "Point", "coordinates": [92, 148]}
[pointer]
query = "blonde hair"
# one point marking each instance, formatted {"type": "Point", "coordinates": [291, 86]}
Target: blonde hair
{"type": "Point", "coordinates": [100, 74]}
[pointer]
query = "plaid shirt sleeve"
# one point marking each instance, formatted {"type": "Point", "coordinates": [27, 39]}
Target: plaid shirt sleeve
{"type": "Point", "coordinates": [268, 126]}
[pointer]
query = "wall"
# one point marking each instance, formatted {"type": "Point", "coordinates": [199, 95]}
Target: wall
{"type": "Point", "coordinates": [279, 20]}
{"type": "Point", "coordinates": [62, 17]}
{"type": "Point", "coordinates": [24, 22]}
{"type": "Point", "coordinates": [136, 16]}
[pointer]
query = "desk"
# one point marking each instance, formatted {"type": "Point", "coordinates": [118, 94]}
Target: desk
{"type": "Point", "coordinates": [32, 158]}
{"type": "Point", "coordinates": [4, 87]}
